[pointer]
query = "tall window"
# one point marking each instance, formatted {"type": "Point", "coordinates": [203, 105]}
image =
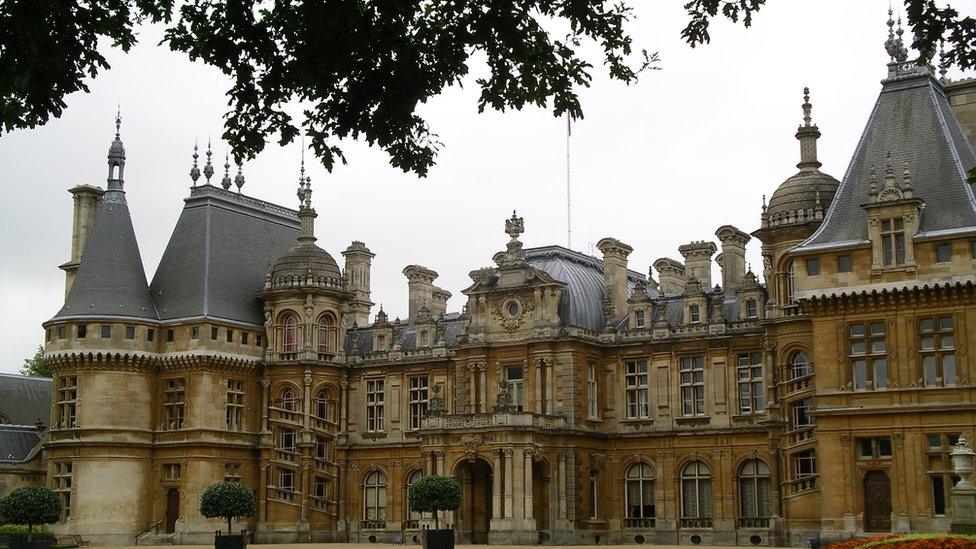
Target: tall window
{"type": "Point", "coordinates": [754, 493]}
{"type": "Point", "coordinates": [804, 463]}
{"type": "Point", "coordinates": [637, 390]}
{"type": "Point", "coordinates": [515, 375]}
{"type": "Point", "coordinates": [750, 383]}
{"type": "Point", "coordinates": [61, 481]}
{"type": "Point", "coordinates": [374, 496]}
{"type": "Point", "coordinates": [592, 394]}
{"type": "Point", "coordinates": [288, 399]}
{"type": "Point", "coordinates": [791, 283]}
{"type": "Point", "coordinates": [67, 401]}
{"type": "Point", "coordinates": [414, 477]}
{"type": "Point", "coordinates": [874, 448]}
{"type": "Point", "coordinates": [640, 492]}
{"type": "Point", "coordinates": [322, 449]}
{"type": "Point", "coordinates": [419, 400]}
{"type": "Point", "coordinates": [693, 386]}
{"type": "Point", "coordinates": [320, 489]}
{"type": "Point", "coordinates": [938, 450]}
{"type": "Point", "coordinates": [696, 494]}
{"type": "Point", "coordinates": [868, 351]}
{"type": "Point", "coordinates": [639, 318]}
{"type": "Point", "coordinates": [286, 479]}
{"type": "Point", "coordinates": [893, 241]}
{"type": "Point", "coordinates": [327, 333]}
{"type": "Point", "coordinates": [752, 308]}
{"type": "Point", "coordinates": [324, 406]}
{"type": "Point", "coordinates": [289, 333]}
{"type": "Point", "coordinates": [174, 403]}
{"type": "Point", "coordinates": [799, 365]}
{"type": "Point", "coordinates": [800, 414]}
{"type": "Point", "coordinates": [232, 472]}
{"type": "Point", "coordinates": [694, 313]}
{"type": "Point", "coordinates": [235, 404]}
{"type": "Point", "coordinates": [594, 509]}
{"type": "Point", "coordinates": [374, 405]}
{"type": "Point", "coordinates": [937, 345]}
{"type": "Point", "coordinates": [286, 439]}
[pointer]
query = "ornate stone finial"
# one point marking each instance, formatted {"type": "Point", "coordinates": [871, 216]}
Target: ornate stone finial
{"type": "Point", "coordinates": [116, 163]}
{"type": "Point", "coordinates": [873, 187]}
{"type": "Point", "coordinates": [306, 214]}
{"type": "Point", "coordinates": [889, 171]}
{"type": "Point", "coordinates": [514, 226]}
{"type": "Point", "coordinates": [807, 135]}
{"type": "Point", "coordinates": [943, 66]}
{"type": "Point", "coordinates": [906, 181]}
{"type": "Point", "coordinates": [208, 170]}
{"type": "Point", "coordinates": [118, 122]}
{"type": "Point", "coordinates": [807, 107]}
{"type": "Point", "coordinates": [962, 463]}
{"type": "Point", "coordinates": [895, 45]}
{"type": "Point", "coordinates": [195, 171]}
{"type": "Point", "coordinates": [239, 178]}
{"type": "Point", "coordinates": [225, 182]}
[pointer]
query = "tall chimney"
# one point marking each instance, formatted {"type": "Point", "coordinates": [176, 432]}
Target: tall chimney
{"type": "Point", "coordinates": [615, 255]}
{"type": "Point", "coordinates": [698, 261]}
{"type": "Point", "coordinates": [733, 257]}
{"type": "Point", "coordinates": [420, 284]}
{"type": "Point", "coordinates": [86, 202]}
{"type": "Point", "coordinates": [358, 262]}
{"type": "Point", "coordinates": [439, 299]}
{"type": "Point", "coordinates": [672, 275]}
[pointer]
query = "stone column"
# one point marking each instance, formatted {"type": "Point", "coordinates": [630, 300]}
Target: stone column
{"type": "Point", "coordinates": [265, 391]}
{"type": "Point", "coordinates": [561, 485]}
{"type": "Point", "coordinates": [538, 388]}
{"type": "Point", "coordinates": [518, 484]}
{"type": "Point", "coordinates": [428, 463]}
{"type": "Point", "coordinates": [306, 470]}
{"type": "Point", "coordinates": [508, 482]}
{"type": "Point", "coordinates": [550, 387]}
{"type": "Point", "coordinates": [439, 461]}
{"type": "Point", "coordinates": [473, 368]}
{"type": "Point", "coordinates": [263, 492]}
{"type": "Point", "coordinates": [343, 406]}
{"type": "Point", "coordinates": [307, 396]}
{"type": "Point", "coordinates": [496, 485]}
{"type": "Point", "coordinates": [483, 387]}
{"type": "Point", "coordinates": [529, 509]}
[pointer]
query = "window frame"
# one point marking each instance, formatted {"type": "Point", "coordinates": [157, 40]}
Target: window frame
{"type": "Point", "coordinates": [637, 389]}
{"type": "Point", "coordinates": [592, 393]}
{"type": "Point", "coordinates": [937, 359]}
{"type": "Point", "coordinates": [750, 383]}
{"type": "Point", "coordinates": [375, 405]}
{"type": "Point", "coordinates": [419, 400]}
{"type": "Point", "coordinates": [865, 364]}
{"type": "Point", "coordinates": [691, 380]}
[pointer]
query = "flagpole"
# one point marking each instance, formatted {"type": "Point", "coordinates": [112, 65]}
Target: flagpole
{"type": "Point", "coordinates": [569, 214]}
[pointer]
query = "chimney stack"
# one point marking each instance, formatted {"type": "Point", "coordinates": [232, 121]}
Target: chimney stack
{"type": "Point", "coordinates": [358, 262]}
{"type": "Point", "coordinates": [698, 261]}
{"type": "Point", "coordinates": [615, 255]}
{"type": "Point", "coordinates": [733, 257]}
{"type": "Point", "coordinates": [87, 200]}
{"type": "Point", "coordinates": [420, 282]}
{"type": "Point", "coordinates": [672, 275]}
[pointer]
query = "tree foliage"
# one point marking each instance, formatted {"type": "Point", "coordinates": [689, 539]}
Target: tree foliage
{"type": "Point", "coordinates": [35, 366]}
{"type": "Point", "coordinates": [361, 68]}
{"type": "Point", "coordinates": [434, 493]}
{"type": "Point", "coordinates": [31, 505]}
{"type": "Point", "coordinates": [227, 500]}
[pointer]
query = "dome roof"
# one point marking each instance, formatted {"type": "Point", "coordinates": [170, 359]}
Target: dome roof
{"type": "Point", "coordinates": [303, 258]}
{"type": "Point", "coordinates": [799, 192]}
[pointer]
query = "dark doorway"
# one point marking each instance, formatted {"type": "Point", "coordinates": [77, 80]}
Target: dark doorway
{"type": "Point", "coordinates": [475, 512]}
{"type": "Point", "coordinates": [541, 486]}
{"type": "Point", "coordinates": [877, 502]}
{"type": "Point", "coordinates": [172, 509]}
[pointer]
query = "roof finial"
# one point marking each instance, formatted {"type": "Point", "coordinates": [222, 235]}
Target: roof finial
{"type": "Point", "coordinates": [807, 134]}
{"type": "Point", "coordinates": [239, 179]}
{"type": "Point", "coordinates": [225, 182]}
{"type": "Point", "coordinates": [807, 107]}
{"type": "Point", "coordinates": [873, 187]}
{"type": "Point", "coordinates": [118, 120]}
{"type": "Point", "coordinates": [208, 170]}
{"type": "Point", "coordinates": [906, 181]}
{"type": "Point", "coordinates": [195, 171]}
{"type": "Point", "coordinates": [895, 46]}
{"type": "Point", "coordinates": [943, 66]}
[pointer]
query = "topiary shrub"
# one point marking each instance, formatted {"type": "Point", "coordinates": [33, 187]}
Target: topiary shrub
{"type": "Point", "coordinates": [227, 500]}
{"type": "Point", "coordinates": [30, 505]}
{"type": "Point", "coordinates": [434, 493]}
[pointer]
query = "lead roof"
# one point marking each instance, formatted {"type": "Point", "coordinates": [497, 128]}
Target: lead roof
{"type": "Point", "coordinates": [25, 400]}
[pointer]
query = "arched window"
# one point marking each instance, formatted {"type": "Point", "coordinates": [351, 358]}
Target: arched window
{"type": "Point", "coordinates": [640, 492]}
{"type": "Point", "coordinates": [288, 399]}
{"type": "Point", "coordinates": [754, 494]}
{"type": "Point", "coordinates": [799, 365]}
{"type": "Point", "coordinates": [327, 333]}
{"type": "Point", "coordinates": [323, 405]}
{"type": "Point", "coordinates": [790, 284]}
{"type": "Point", "coordinates": [412, 478]}
{"type": "Point", "coordinates": [696, 494]}
{"type": "Point", "coordinates": [374, 497]}
{"type": "Point", "coordinates": [289, 333]}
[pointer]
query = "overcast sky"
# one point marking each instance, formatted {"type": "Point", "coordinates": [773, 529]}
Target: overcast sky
{"type": "Point", "coordinates": [689, 148]}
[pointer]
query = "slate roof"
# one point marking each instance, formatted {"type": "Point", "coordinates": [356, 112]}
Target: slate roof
{"type": "Point", "coordinates": [581, 303]}
{"type": "Point", "coordinates": [17, 441]}
{"type": "Point", "coordinates": [913, 120]}
{"type": "Point", "coordinates": [408, 335]}
{"type": "Point", "coordinates": [215, 262]}
{"type": "Point", "coordinates": [110, 280]}
{"type": "Point", "coordinates": [25, 400]}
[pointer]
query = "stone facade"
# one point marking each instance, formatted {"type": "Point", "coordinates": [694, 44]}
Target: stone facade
{"type": "Point", "coordinates": [576, 400]}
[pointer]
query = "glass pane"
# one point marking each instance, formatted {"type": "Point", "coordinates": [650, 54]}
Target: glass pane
{"type": "Point", "coordinates": [747, 489]}
{"type": "Point", "coordinates": [877, 328]}
{"type": "Point", "coordinates": [689, 503]}
{"type": "Point", "coordinates": [949, 369]}
{"type": "Point", "coordinates": [880, 367]}
{"type": "Point", "coordinates": [857, 330]}
{"type": "Point", "coordinates": [884, 447]}
{"type": "Point", "coordinates": [858, 347]}
{"type": "Point", "coordinates": [947, 342]}
{"type": "Point", "coordinates": [928, 343]}
{"type": "Point", "coordinates": [860, 374]}
{"type": "Point", "coordinates": [945, 323]}
{"type": "Point", "coordinates": [705, 497]}
{"type": "Point", "coordinates": [928, 369]}
{"type": "Point", "coordinates": [878, 346]}
{"type": "Point", "coordinates": [926, 325]}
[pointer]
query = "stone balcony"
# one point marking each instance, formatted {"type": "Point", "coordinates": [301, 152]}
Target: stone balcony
{"type": "Point", "coordinates": [531, 420]}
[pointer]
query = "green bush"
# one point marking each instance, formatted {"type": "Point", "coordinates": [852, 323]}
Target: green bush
{"type": "Point", "coordinates": [227, 500]}
{"type": "Point", "coordinates": [18, 532]}
{"type": "Point", "coordinates": [31, 505]}
{"type": "Point", "coordinates": [434, 493]}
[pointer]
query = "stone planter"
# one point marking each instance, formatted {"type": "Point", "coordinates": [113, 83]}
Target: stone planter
{"type": "Point", "coordinates": [438, 539]}
{"type": "Point", "coordinates": [234, 541]}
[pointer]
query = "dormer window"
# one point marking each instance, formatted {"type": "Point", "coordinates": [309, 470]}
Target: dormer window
{"type": "Point", "coordinates": [752, 308]}
{"type": "Point", "coordinates": [893, 241]}
{"type": "Point", "coordinates": [639, 319]}
{"type": "Point", "coordinates": [694, 313]}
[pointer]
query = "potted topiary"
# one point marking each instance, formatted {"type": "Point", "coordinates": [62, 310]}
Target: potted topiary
{"type": "Point", "coordinates": [30, 505]}
{"type": "Point", "coordinates": [227, 500]}
{"type": "Point", "coordinates": [430, 495]}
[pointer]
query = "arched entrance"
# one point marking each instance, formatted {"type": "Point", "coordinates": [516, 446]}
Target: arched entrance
{"type": "Point", "coordinates": [541, 486]}
{"type": "Point", "coordinates": [172, 509]}
{"type": "Point", "coordinates": [474, 516]}
{"type": "Point", "coordinates": [877, 502]}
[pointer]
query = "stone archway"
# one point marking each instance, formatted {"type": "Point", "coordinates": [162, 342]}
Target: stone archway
{"type": "Point", "coordinates": [474, 516]}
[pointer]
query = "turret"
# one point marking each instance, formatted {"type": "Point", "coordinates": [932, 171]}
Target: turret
{"type": "Point", "coordinates": [615, 255]}
{"type": "Point", "coordinates": [358, 262]}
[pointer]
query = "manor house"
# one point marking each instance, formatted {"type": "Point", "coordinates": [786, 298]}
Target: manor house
{"type": "Point", "coordinates": [576, 399]}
